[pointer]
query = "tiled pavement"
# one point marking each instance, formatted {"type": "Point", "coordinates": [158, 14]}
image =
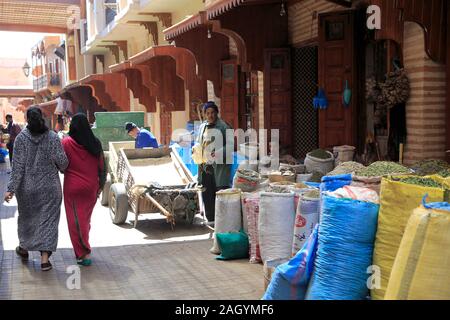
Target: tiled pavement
{"type": "Point", "coordinates": [150, 262]}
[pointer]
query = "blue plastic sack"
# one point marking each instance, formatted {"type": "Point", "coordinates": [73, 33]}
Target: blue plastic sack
{"type": "Point", "coordinates": [290, 280]}
{"type": "Point", "coordinates": [312, 184]}
{"type": "Point", "coordinates": [332, 183]}
{"type": "Point", "coordinates": [346, 242]}
{"type": "Point", "coordinates": [435, 205]}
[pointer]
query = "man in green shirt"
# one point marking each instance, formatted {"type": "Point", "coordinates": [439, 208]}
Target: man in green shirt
{"type": "Point", "coordinates": [214, 173]}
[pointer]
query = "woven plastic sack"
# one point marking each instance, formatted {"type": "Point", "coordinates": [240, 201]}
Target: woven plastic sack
{"type": "Point", "coordinates": [346, 236]}
{"type": "Point", "coordinates": [306, 218]}
{"type": "Point", "coordinates": [373, 183]}
{"type": "Point", "coordinates": [290, 280]}
{"type": "Point", "coordinates": [276, 225]}
{"type": "Point", "coordinates": [246, 180]}
{"type": "Point", "coordinates": [397, 202]}
{"type": "Point", "coordinates": [228, 216]}
{"type": "Point", "coordinates": [332, 183]}
{"type": "Point", "coordinates": [324, 166]}
{"type": "Point", "coordinates": [356, 193]}
{"type": "Point", "coordinates": [421, 267]}
{"type": "Point", "coordinates": [250, 209]}
{"type": "Point", "coordinates": [233, 245]}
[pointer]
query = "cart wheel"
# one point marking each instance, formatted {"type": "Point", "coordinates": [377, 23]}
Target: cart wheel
{"type": "Point", "coordinates": [118, 203]}
{"type": "Point", "coordinates": [105, 191]}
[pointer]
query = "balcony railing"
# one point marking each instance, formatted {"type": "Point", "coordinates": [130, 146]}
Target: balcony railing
{"type": "Point", "coordinates": [46, 81]}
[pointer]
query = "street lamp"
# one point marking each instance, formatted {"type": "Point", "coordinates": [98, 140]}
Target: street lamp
{"type": "Point", "coordinates": [26, 69]}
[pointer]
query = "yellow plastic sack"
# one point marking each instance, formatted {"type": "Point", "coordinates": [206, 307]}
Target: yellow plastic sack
{"type": "Point", "coordinates": [421, 269]}
{"type": "Point", "coordinates": [397, 203]}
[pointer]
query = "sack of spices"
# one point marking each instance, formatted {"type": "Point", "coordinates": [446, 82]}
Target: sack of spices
{"type": "Point", "coordinates": [228, 216]}
{"type": "Point", "coordinates": [319, 160]}
{"type": "Point", "coordinates": [250, 209]}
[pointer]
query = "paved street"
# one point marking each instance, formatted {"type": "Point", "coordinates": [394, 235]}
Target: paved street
{"type": "Point", "coordinates": [150, 262]}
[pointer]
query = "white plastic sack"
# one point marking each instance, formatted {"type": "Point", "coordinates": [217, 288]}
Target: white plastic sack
{"type": "Point", "coordinates": [276, 225]}
{"type": "Point", "coordinates": [228, 217]}
{"type": "Point", "coordinates": [356, 193]}
{"type": "Point", "coordinates": [306, 218]}
{"type": "Point", "coordinates": [250, 210]}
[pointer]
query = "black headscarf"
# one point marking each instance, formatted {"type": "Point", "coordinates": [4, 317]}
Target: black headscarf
{"type": "Point", "coordinates": [81, 132]}
{"type": "Point", "coordinates": [36, 123]}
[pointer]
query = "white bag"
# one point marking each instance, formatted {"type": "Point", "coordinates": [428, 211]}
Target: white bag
{"type": "Point", "coordinates": [228, 217]}
{"type": "Point", "coordinates": [276, 225]}
{"type": "Point", "coordinates": [307, 217]}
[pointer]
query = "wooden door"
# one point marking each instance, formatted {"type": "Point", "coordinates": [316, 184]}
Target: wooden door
{"type": "Point", "coordinates": [166, 125]}
{"type": "Point", "coordinates": [336, 66]}
{"type": "Point", "coordinates": [277, 94]}
{"type": "Point", "coordinates": [229, 111]}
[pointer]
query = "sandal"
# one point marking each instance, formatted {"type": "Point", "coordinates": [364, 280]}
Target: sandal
{"type": "Point", "coordinates": [46, 266]}
{"type": "Point", "coordinates": [22, 253]}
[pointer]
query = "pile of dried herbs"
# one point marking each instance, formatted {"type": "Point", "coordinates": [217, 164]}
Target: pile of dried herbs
{"type": "Point", "coordinates": [429, 167]}
{"type": "Point", "coordinates": [424, 182]}
{"type": "Point", "coordinates": [320, 154]}
{"type": "Point", "coordinates": [277, 189]}
{"type": "Point", "coordinates": [346, 168]}
{"type": "Point", "coordinates": [382, 168]}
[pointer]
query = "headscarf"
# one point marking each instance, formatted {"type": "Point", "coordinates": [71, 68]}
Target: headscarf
{"type": "Point", "coordinates": [81, 132]}
{"type": "Point", "coordinates": [36, 123]}
{"type": "Point", "coordinates": [210, 104]}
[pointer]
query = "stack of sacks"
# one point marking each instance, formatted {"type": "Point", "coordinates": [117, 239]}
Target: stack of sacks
{"type": "Point", "coordinates": [422, 265]}
{"type": "Point", "coordinates": [346, 236]}
{"type": "Point", "coordinates": [397, 202]}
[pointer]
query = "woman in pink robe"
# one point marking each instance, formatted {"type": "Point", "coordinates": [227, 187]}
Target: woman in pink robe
{"type": "Point", "coordinates": [83, 181]}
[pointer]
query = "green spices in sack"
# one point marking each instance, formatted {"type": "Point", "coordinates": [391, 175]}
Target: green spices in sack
{"type": "Point", "coordinates": [424, 182]}
{"type": "Point", "coordinates": [429, 167]}
{"type": "Point", "coordinates": [382, 168]}
{"type": "Point", "coordinates": [320, 154]}
{"type": "Point", "coordinates": [445, 173]}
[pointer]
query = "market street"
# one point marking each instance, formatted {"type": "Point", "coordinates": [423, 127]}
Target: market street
{"type": "Point", "coordinates": [150, 262]}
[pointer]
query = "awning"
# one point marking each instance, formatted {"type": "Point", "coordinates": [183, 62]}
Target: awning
{"type": "Point", "coordinates": [52, 16]}
{"type": "Point", "coordinates": [185, 25]}
{"type": "Point", "coordinates": [109, 89]}
{"type": "Point", "coordinates": [135, 82]}
{"type": "Point", "coordinates": [170, 68]}
{"type": "Point", "coordinates": [223, 6]}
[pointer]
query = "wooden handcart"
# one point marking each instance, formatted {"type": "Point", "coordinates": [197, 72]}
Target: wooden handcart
{"type": "Point", "coordinates": [149, 181]}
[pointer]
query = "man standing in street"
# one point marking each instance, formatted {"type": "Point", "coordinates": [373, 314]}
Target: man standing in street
{"type": "Point", "coordinates": [214, 174]}
{"type": "Point", "coordinates": [13, 130]}
{"type": "Point", "coordinates": [143, 137]}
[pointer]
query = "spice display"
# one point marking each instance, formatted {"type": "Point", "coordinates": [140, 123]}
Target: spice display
{"type": "Point", "coordinates": [320, 154]}
{"type": "Point", "coordinates": [424, 182]}
{"type": "Point", "coordinates": [277, 189]}
{"type": "Point", "coordinates": [429, 167]}
{"type": "Point", "coordinates": [382, 168]}
{"type": "Point", "coordinates": [316, 177]}
{"type": "Point", "coordinates": [346, 168]}
{"type": "Point", "coordinates": [445, 173]}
